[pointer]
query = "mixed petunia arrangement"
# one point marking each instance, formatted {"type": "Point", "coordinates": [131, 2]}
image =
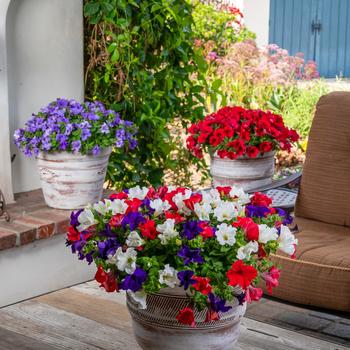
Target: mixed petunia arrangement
{"type": "Point", "coordinates": [67, 125]}
{"type": "Point", "coordinates": [215, 244]}
{"type": "Point", "coordinates": [233, 132]}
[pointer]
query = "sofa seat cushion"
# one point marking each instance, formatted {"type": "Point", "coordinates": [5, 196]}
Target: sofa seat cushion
{"type": "Point", "coordinates": [320, 275]}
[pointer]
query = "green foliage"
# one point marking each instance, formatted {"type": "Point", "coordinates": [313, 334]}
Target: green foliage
{"type": "Point", "coordinates": [139, 62]}
{"type": "Point", "coordinates": [219, 26]}
{"type": "Point", "coordinates": [297, 104]}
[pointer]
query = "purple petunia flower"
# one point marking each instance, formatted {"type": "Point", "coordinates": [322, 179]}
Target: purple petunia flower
{"type": "Point", "coordinates": [190, 255]}
{"type": "Point", "coordinates": [63, 141]}
{"type": "Point", "coordinates": [256, 211]}
{"type": "Point", "coordinates": [76, 145]}
{"type": "Point", "coordinates": [96, 150]}
{"type": "Point", "coordinates": [107, 247]}
{"type": "Point", "coordinates": [74, 218]}
{"type": "Point", "coordinates": [191, 229]}
{"type": "Point", "coordinates": [104, 128]}
{"type": "Point", "coordinates": [134, 282]}
{"type": "Point", "coordinates": [132, 219]}
{"type": "Point", "coordinates": [217, 304]}
{"type": "Point", "coordinates": [185, 278]}
{"type": "Point", "coordinates": [287, 219]}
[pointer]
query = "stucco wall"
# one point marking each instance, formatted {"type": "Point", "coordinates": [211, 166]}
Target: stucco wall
{"type": "Point", "coordinates": [256, 18]}
{"type": "Point", "coordinates": [45, 61]}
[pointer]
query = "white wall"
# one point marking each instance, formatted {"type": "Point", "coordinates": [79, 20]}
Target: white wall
{"type": "Point", "coordinates": [39, 268]}
{"type": "Point", "coordinates": [256, 18]}
{"type": "Point", "coordinates": [45, 61]}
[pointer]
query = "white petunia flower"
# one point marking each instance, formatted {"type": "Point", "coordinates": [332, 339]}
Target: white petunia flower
{"type": "Point", "coordinates": [134, 240]}
{"type": "Point", "coordinates": [267, 233]}
{"type": "Point", "coordinates": [242, 197]}
{"type": "Point", "coordinates": [203, 211]}
{"type": "Point", "coordinates": [138, 192]}
{"type": "Point", "coordinates": [86, 219]}
{"type": "Point", "coordinates": [159, 206]}
{"type": "Point", "coordinates": [138, 298]}
{"type": "Point", "coordinates": [102, 207]}
{"type": "Point", "coordinates": [225, 211]}
{"type": "Point", "coordinates": [125, 261]}
{"type": "Point", "coordinates": [245, 251]}
{"type": "Point", "coordinates": [287, 241]}
{"type": "Point", "coordinates": [215, 197]}
{"type": "Point", "coordinates": [226, 234]}
{"type": "Point", "coordinates": [118, 206]}
{"type": "Point", "coordinates": [179, 198]}
{"type": "Point", "coordinates": [167, 231]}
{"type": "Point", "coordinates": [168, 276]}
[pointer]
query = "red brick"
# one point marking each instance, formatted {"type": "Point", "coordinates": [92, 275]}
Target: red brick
{"type": "Point", "coordinates": [25, 233]}
{"type": "Point", "coordinates": [45, 228]}
{"type": "Point", "coordinates": [62, 227]}
{"type": "Point", "coordinates": [7, 240]}
{"type": "Point", "coordinates": [59, 217]}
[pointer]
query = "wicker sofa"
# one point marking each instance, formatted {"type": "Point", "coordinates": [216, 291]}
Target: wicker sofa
{"type": "Point", "coordinates": [320, 275]}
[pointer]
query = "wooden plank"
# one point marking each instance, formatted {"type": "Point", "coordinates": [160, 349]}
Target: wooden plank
{"type": "Point", "coordinates": [71, 319]}
{"type": "Point", "coordinates": [14, 341]}
{"type": "Point", "coordinates": [62, 329]}
{"type": "Point", "coordinates": [257, 336]}
{"type": "Point", "coordinates": [104, 311]}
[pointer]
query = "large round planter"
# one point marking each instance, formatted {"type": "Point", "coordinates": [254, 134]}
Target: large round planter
{"type": "Point", "coordinates": [156, 327]}
{"type": "Point", "coordinates": [244, 172]}
{"type": "Point", "coordinates": [72, 180]}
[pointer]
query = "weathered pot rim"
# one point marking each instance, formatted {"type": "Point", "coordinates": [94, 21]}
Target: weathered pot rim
{"type": "Point", "coordinates": [245, 157]}
{"type": "Point", "coordinates": [72, 155]}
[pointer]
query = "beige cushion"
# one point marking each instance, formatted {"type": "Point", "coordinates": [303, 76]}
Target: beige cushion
{"type": "Point", "coordinates": [320, 276]}
{"type": "Point", "coordinates": [325, 186]}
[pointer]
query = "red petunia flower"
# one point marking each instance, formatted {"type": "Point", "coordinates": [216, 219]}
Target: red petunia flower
{"type": "Point", "coordinates": [186, 316]}
{"type": "Point", "coordinates": [249, 227]}
{"type": "Point", "coordinates": [116, 220]}
{"type": "Point", "coordinates": [207, 232]}
{"type": "Point", "coordinates": [265, 147]}
{"type": "Point", "coordinates": [253, 294]}
{"type": "Point", "coordinates": [241, 275]}
{"type": "Point", "coordinates": [223, 190]}
{"type": "Point", "coordinates": [271, 278]}
{"type": "Point", "coordinates": [176, 216]}
{"type": "Point", "coordinates": [252, 151]}
{"type": "Point", "coordinates": [120, 195]}
{"type": "Point", "coordinates": [133, 205]}
{"type": "Point", "coordinates": [261, 200]}
{"type": "Point", "coordinates": [190, 202]}
{"type": "Point", "coordinates": [148, 229]}
{"type": "Point", "coordinates": [202, 285]}
{"type": "Point", "coordinates": [106, 280]}
{"type": "Point", "coordinates": [73, 235]}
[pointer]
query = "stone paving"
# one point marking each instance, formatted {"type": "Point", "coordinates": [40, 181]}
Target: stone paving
{"type": "Point", "coordinates": [323, 324]}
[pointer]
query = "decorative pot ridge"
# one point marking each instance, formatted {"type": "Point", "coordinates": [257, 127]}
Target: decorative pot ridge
{"type": "Point", "coordinates": [153, 326]}
{"type": "Point", "coordinates": [72, 180]}
{"type": "Point", "coordinates": [245, 172]}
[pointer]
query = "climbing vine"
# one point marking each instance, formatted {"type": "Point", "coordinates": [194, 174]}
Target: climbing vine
{"type": "Point", "coordinates": [140, 61]}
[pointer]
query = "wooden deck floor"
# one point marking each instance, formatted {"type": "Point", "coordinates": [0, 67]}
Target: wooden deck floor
{"type": "Point", "coordinates": [85, 318]}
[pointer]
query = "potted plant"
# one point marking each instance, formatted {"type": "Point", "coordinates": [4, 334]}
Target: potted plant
{"type": "Point", "coordinates": [72, 143]}
{"type": "Point", "coordinates": [189, 261]}
{"type": "Point", "coordinates": [242, 144]}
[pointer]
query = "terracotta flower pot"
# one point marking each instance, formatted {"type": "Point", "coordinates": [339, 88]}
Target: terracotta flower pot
{"type": "Point", "coordinates": [72, 180]}
{"type": "Point", "coordinates": [245, 172]}
{"type": "Point", "coordinates": [156, 327]}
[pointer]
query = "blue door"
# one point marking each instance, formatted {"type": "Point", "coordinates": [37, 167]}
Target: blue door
{"type": "Point", "coordinates": [318, 28]}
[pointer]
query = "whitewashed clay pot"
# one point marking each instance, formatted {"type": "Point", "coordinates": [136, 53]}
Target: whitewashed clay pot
{"type": "Point", "coordinates": [72, 180]}
{"type": "Point", "coordinates": [156, 327]}
{"type": "Point", "coordinates": [245, 172]}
